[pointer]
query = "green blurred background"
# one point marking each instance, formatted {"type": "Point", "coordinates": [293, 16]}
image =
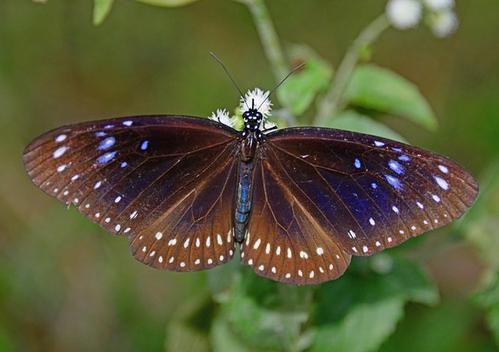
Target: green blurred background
{"type": "Point", "coordinates": [66, 285]}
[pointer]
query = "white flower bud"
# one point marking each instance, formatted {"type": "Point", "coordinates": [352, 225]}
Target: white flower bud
{"type": "Point", "coordinates": [403, 14]}
{"type": "Point", "coordinates": [439, 5]}
{"type": "Point", "coordinates": [444, 23]}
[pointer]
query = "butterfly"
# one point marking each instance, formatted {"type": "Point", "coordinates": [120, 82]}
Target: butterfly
{"type": "Point", "coordinates": [297, 203]}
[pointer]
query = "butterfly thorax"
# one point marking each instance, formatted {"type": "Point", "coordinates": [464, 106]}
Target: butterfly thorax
{"type": "Point", "coordinates": [251, 133]}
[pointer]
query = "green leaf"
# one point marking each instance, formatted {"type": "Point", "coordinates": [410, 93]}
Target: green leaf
{"type": "Point", "coordinates": [363, 329]}
{"type": "Point", "coordinates": [265, 315]}
{"type": "Point", "coordinates": [223, 339]}
{"type": "Point", "coordinates": [353, 121]}
{"type": "Point", "coordinates": [183, 338]}
{"type": "Point", "coordinates": [493, 322]}
{"type": "Point", "coordinates": [359, 311]}
{"type": "Point", "coordinates": [488, 298]}
{"type": "Point", "coordinates": [377, 88]}
{"type": "Point", "coordinates": [404, 279]}
{"type": "Point", "coordinates": [479, 226]}
{"type": "Point", "coordinates": [300, 89]}
{"type": "Point", "coordinates": [450, 326]}
{"type": "Point", "coordinates": [188, 330]}
{"type": "Point", "coordinates": [167, 3]}
{"type": "Point", "coordinates": [101, 10]}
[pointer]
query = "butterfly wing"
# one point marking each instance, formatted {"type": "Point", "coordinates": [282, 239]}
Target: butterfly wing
{"type": "Point", "coordinates": [329, 193]}
{"type": "Point", "coordinates": [284, 240]}
{"type": "Point", "coordinates": [166, 182]}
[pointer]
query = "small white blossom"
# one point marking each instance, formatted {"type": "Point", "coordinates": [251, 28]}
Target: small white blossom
{"type": "Point", "coordinates": [267, 124]}
{"type": "Point", "coordinates": [439, 5]}
{"type": "Point", "coordinates": [444, 23]}
{"type": "Point", "coordinates": [222, 116]}
{"type": "Point", "coordinates": [261, 101]}
{"type": "Point", "coordinates": [403, 14]}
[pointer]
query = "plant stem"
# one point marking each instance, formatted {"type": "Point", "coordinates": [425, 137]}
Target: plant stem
{"type": "Point", "coordinates": [268, 37]}
{"type": "Point", "coordinates": [271, 47]}
{"type": "Point", "coordinates": [333, 100]}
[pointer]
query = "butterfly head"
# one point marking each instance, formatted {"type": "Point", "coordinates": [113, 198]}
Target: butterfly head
{"type": "Point", "coordinates": [252, 118]}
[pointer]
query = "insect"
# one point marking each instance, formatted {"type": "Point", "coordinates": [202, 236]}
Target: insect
{"type": "Point", "coordinates": [298, 203]}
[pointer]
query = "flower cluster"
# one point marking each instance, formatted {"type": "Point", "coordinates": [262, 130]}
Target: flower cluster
{"type": "Point", "coordinates": [255, 98]}
{"type": "Point", "coordinates": [439, 14]}
{"type": "Point", "coordinates": [222, 116]}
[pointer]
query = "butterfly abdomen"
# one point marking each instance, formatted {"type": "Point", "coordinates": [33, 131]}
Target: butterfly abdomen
{"type": "Point", "coordinates": [243, 204]}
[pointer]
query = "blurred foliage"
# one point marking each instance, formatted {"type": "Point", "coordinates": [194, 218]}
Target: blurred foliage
{"type": "Point", "coordinates": [300, 89]}
{"type": "Point", "coordinates": [64, 285]}
{"type": "Point", "coordinates": [357, 122]}
{"type": "Point", "coordinates": [376, 88]}
{"type": "Point", "coordinates": [101, 10]}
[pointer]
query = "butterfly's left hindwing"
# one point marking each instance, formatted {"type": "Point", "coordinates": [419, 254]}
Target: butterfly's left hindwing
{"type": "Point", "coordinates": [166, 182]}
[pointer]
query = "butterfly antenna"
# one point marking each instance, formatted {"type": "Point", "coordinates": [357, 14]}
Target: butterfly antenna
{"type": "Point", "coordinates": [297, 68]}
{"type": "Point", "coordinates": [229, 75]}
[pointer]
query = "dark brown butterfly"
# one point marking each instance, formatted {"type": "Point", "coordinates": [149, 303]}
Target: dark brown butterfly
{"type": "Point", "coordinates": [299, 202]}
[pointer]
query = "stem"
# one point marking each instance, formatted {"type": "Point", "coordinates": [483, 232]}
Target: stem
{"type": "Point", "coordinates": [333, 99]}
{"type": "Point", "coordinates": [268, 37]}
{"type": "Point", "coordinates": [271, 47]}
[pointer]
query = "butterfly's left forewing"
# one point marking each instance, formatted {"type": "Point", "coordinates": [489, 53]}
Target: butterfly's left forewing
{"type": "Point", "coordinates": [166, 182]}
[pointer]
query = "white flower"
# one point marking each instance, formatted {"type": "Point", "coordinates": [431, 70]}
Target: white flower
{"type": "Point", "coordinates": [222, 116]}
{"type": "Point", "coordinates": [268, 125]}
{"type": "Point", "coordinates": [438, 5]}
{"type": "Point", "coordinates": [260, 100]}
{"type": "Point", "coordinates": [403, 14]}
{"type": "Point", "coordinates": [444, 23]}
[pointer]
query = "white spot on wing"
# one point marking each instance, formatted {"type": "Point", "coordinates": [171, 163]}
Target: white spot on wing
{"type": "Point", "coordinates": [393, 181]}
{"type": "Point", "coordinates": [59, 152]}
{"type": "Point", "coordinates": [60, 138]}
{"type": "Point", "coordinates": [443, 168]}
{"type": "Point", "coordinates": [441, 182]}
{"type": "Point", "coordinates": [395, 166]}
{"type": "Point", "coordinates": [144, 145]}
{"type": "Point", "coordinates": [357, 164]}
{"type": "Point", "coordinates": [106, 143]}
{"type": "Point", "coordinates": [105, 158]}
{"type": "Point", "coordinates": [257, 244]}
